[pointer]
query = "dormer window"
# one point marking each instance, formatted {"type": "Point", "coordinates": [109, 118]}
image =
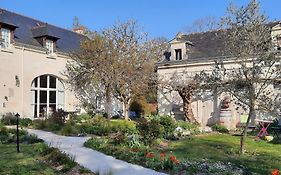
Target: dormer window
{"type": "Point", "coordinates": [5, 38]}
{"type": "Point", "coordinates": [50, 46]}
{"type": "Point", "coordinates": [178, 53]}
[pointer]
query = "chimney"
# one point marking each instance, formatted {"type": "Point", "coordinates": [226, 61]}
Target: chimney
{"type": "Point", "coordinates": [80, 30]}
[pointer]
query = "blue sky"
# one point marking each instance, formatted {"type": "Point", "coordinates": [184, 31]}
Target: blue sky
{"type": "Point", "coordinates": [158, 17]}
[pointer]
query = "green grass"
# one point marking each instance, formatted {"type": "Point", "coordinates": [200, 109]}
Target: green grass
{"type": "Point", "coordinates": [261, 157]}
{"type": "Point", "coordinates": [27, 162]}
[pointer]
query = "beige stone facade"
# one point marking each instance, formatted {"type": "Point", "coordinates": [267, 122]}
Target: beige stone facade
{"type": "Point", "coordinates": [19, 66]}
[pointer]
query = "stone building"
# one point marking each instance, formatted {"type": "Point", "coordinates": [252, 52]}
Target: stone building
{"type": "Point", "coordinates": [33, 55]}
{"type": "Point", "coordinates": [190, 54]}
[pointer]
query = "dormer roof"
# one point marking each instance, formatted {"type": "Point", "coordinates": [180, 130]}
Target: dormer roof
{"type": "Point", "coordinates": [43, 31]}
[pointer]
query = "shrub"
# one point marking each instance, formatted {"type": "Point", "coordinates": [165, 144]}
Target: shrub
{"type": "Point", "coordinates": [69, 130]}
{"type": "Point", "coordinates": [123, 126]}
{"type": "Point", "coordinates": [192, 127]}
{"type": "Point", "coordinates": [220, 128]}
{"type": "Point", "coordinates": [57, 158]}
{"type": "Point", "coordinates": [9, 119]}
{"type": "Point", "coordinates": [39, 124]}
{"type": "Point", "coordinates": [48, 124]}
{"type": "Point", "coordinates": [58, 116]}
{"type": "Point", "coordinates": [150, 131]}
{"type": "Point", "coordinates": [25, 122]}
{"type": "Point", "coordinates": [169, 125]}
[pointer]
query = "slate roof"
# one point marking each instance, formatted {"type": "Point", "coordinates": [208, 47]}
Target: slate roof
{"type": "Point", "coordinates": [204, 46]}
{"type": "Point", "coordinates": [29, 28]}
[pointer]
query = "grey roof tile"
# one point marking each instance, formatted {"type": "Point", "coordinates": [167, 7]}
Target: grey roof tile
{"type": "Point", "coordinates": [26, 32]}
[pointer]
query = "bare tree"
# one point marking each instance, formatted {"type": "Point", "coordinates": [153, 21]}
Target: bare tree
{"type": "Point", "coordinates": [256, 65]}
{"type": "Point", "coordinates": [120, 60]}
{"type": "Point", "coordinates": [135, 57]}
{"type": "Point", "coordinates": [203, 25]}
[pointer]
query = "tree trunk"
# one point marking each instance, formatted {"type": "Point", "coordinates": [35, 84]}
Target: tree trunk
{"type": "Point", "coordinates": [186, 95]}
{"type": "Point", "coordinates": [108, 102]}
{"type": "Point", "coordinates": [187, 109]}
{"type": "Point", "coordinates": [126, 104]}
{"type": "Point", "coordinates": [244, 133]}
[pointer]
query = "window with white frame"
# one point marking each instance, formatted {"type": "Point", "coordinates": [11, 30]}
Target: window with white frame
{"type": "Point", "coordinates": [50, 46]}
{"type": "Point", "coordinates": [5, 38]}
{"type": "Point", "coordinates": [47, 95]}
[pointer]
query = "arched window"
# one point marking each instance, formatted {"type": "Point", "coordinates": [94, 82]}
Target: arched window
{"type": "Point", "coordinates": [47, 95]}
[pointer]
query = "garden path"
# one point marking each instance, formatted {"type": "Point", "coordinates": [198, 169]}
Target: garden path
{"type": "Point", "coordinates": [91, 159]}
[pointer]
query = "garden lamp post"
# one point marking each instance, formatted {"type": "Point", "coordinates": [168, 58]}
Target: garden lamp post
{"type": "Point", "coordinates": [18, 146]}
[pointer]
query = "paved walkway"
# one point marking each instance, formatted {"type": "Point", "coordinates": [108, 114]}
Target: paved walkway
{"type": "Point", "coordinates": [91, 159]}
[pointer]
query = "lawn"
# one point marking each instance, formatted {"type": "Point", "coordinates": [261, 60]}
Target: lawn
{"type": "Point", "coordinates": [29, 161]}
{"type": "Point", "coordinates": [261, 157]}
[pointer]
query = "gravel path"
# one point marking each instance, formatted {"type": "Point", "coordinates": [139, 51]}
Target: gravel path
{"type": "Point", "coordinates": [91, 159]}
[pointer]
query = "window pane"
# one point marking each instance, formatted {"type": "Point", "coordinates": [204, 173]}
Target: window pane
{"type": "Point", "coordinates": [52, 108]}
{"type": "Point", "coordinates": [43, 97]}
{"type": "Point", "coordinates": [36, 96]}
{"type": "Point", "coordinates": [35, 82]}
{"type": "Point", "coordinates": [42, 110]}
{"type": "Point", "coordinates": [52, 97]}
{"type": "Point", "coordinates": [52, 82]}
{"type": "Point", "coordinates": [60, 86]}
{"type": "Point", "coordinates": [60, 98]}
{"type": "Point", "coordinates": [5, 35]}
{"type": "Point", "coordinates": [34, 110]}
{"type": "Point", "coordinates": [43, 81]}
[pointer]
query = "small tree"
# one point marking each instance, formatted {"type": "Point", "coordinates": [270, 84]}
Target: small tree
{"type": "Point", "coordinates": [93, 65]}
{"type": "Point", "coordinates": [186, 86]}
{"type": "Point", "coordinates": [120, 60]}
{"type": "Point", "coordinates": [256, 66]}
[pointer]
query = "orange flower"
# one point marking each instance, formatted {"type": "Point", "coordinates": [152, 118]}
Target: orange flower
{"type": "Point", "coordinates": [174, 159]}
{"type": "Point", "coordinates": [150, 155]}
{"type": "Point", "coordinates": [275, 172]}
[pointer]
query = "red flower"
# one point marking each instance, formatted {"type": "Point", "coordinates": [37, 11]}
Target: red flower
{"type": "Point", "coordinates": [150, 155]}
{"type": "Point", "coordinates": [174, 159]}
{"type": "Point", "coordinates": [275, 172]}
{"type": "Point", "coordinates": [146, 152]}
{"type": "Point", "coordinates": [162, 154]}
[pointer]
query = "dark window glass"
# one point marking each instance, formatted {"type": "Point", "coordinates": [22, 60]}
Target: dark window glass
{"type": "Point", "coordinates": [35, 96]}
{"type": "Point", "coordinates": [52, 108]}
{"type": "Point", "coordinates": [43, 96]}
{"type": "Point", "coordinates": [35, 111]}
{"type": "Point", "coordinates": [52, 97]}
{"type": "Point", "coordinates": [43, 81]}
{"type": "Point", "coordinates": [178, 54]}
{"type": "Point", "coordinates": [36, 82]}
{"type": "Point", "coordinates": [52, 82]}
{"type": "Point", "coordinates": [42, 110]}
